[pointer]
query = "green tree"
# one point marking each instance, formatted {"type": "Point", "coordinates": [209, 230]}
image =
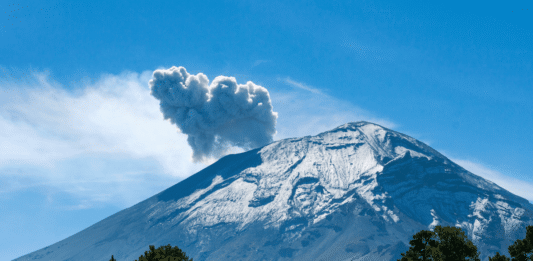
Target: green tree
{"type": "Point", "coordinates": [499, 257]}
{"type": "Point", "coordinates": [164, 253]}
{"type": "Point", "coordinates": [522, 250]}
{"type": "Point", "coordinates": [442, 244]}
{"type": "Point", "coordinates": [112, 258]}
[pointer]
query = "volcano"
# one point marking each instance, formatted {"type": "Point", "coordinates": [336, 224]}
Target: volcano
{"type": "Point", "coordinates": [357, 192]}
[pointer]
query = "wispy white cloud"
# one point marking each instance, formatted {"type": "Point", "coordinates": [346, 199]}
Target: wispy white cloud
{"type": "Point", "coordinates": [259, 62]}
{"type": "Point", "coordinates": [300, 85]}
{"type": "Point", "coordinates": [99, 143]}
{"type": "Point", "coordinates": [115, 115]}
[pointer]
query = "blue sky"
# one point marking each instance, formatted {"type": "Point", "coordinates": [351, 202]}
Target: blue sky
{"type": "Point", "coordinates": [82, 138]}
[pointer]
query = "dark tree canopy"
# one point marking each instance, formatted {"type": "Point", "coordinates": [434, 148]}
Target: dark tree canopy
{"type": "Point", "coordinates": [112, 258]}
{"type": "Point", "coordinates": [164, 253]}
{"type": "Point", "coordinates": [443, 244]}
{"type": "Point", "coordinates": [522, 250]}
{"type": "Point", "coordinates": [499, 257]}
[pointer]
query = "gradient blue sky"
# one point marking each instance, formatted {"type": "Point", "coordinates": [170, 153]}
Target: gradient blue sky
{"type": "Point", "coordinates": [81, 138]}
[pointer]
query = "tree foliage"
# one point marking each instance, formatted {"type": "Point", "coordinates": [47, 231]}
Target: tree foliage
{"type": "Point", "coordinates": [522, 249]}
{"type": "Point", "coordinates": [499, 257]}
{"type": "Point", "coordinates": [112, 258]}
{"type": "Point", "coordinates": [164, 253]}
{"type": "Point", "coordinates": [451, 244]}
{"type": "Point", "coordinates": [443, 244]}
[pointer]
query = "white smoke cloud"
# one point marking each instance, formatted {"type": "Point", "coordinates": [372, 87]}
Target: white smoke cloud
{"type": "Point", "coordinates": [216, 116]}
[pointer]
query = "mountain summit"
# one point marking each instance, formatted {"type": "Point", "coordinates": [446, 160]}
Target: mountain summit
{"type": "Point", "coordinates": [357, 192]}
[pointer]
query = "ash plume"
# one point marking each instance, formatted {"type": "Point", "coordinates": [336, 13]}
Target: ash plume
{"type": "Point", "coordinates": [214, 116]}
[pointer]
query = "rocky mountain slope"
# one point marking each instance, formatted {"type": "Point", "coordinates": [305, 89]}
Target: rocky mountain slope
{"type": "Point", "coordinates": [357, 192]}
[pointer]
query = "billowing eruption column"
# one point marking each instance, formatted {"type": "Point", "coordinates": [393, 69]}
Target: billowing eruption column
{"type": "Point", "coordinates": [214, 116]}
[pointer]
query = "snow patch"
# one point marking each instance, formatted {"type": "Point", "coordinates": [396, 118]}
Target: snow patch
{"type": "Point", "coordinates": [435, 220]}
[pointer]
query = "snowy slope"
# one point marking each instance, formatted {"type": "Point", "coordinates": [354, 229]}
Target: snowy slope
{"type": "Point", "coordinates": [357, 192]}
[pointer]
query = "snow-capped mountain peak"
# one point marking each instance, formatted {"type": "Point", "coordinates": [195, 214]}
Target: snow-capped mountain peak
{"type": "Point", "coordinates": [357, 191]}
